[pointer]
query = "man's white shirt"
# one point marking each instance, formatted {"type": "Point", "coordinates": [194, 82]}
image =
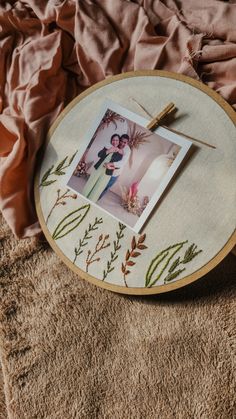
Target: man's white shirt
{"type": "Point", "coordinates": [120, 164]}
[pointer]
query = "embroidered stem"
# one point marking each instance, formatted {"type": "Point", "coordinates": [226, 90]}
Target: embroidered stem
{"type": "Point", "coordinates": [189, 255]}
{"type": "Point", "coordinates": [166, 256]}
{"type": "Point", "coordinates": [58, 171]}
{"type": "Point", "coordinates": [132, 253]}
{"type": "Point", "coordinates": [114, 253]}
{"type": "Point", "coordinates": [84, 241]}
{"type": "Point", "coordinates": [60, 201]}
{"type": "Point", "coordinates": [101, 245]}
{"type": "Point", "coordinates": [166, 264]}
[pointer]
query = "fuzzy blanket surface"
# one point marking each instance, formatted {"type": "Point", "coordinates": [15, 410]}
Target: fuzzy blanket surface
{"type": "Point", "coordinates": [53, 50]}
{"type": "Point", "coordinates": [72, 350]}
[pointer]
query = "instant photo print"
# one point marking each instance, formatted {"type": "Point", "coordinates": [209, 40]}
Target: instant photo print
{"type": "Point", "coordinates": [124, 168]}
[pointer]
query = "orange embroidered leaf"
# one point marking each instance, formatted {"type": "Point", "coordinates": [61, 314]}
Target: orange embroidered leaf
{"type": "Point", "coordinates": [142, 246]}
{"type": "Point", "coordinates": [123, 268]}
{"type": "Point", "coordinates": [130, 263]}
{"type": "Point", "coordinates": [135, 254]}
{"type": "Point", "coordinates": [127, 255]}
{"type": "Point", "coordinates": [142, 238]}
{"type": "Point", "coordinates": [133, 243]}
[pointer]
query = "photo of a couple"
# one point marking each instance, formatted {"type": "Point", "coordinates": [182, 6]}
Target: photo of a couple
{"type": "Point", "coordinates": [124, 168]}
{"type": "Point", "coordinates": [108, 168]}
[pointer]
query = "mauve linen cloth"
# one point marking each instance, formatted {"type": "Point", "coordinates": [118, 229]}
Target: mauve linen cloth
{"type": "Point", "coordinates": [53, 50]}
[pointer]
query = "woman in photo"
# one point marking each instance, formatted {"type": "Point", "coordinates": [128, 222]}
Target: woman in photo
{"type": "Point", "coordinates": [103, 169]}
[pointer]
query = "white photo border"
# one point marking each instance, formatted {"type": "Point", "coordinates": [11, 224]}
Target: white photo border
{"type": "Point", "coordinates": [140, 120]}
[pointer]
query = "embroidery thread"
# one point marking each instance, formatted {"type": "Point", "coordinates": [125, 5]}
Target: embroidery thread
{"type": "Point", "coordinates": [58, 171]}
{"type": "Point", "coordinates": [133, 253]}
{"type": "Point", "coordinates": [114, 252]}
{"type": "Point", "coordinates": [101, 245]}
{"type": "Point", "coordinates": [165, 256]}
{"type": "Point", "coordinates": [189, 255]}
{"type": "Point", "coordinates": [70, 222]}
{"type": "Point", "coordinates": [60, 201]}
{"type": "Point", "coordinates": [87, 236]}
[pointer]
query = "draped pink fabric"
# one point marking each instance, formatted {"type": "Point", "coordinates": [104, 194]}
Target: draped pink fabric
{"type": "Point", "coordinates": [53, 50]}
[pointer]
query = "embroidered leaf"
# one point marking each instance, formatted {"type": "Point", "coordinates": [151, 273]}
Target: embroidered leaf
{"type": "Point", "coordinates": [141, 246]}
{"type": "Point", "coordinates": [173, 275]}
{"type": "Point", "coordinates": [59, 173]}
{"type": "Point", "coordinates": [72, 158]}
{"type": "Point", "coordinates": [47, 182]}
{"type": "Point", "coordinates": [60, 165]}
{"type": "Point", "coordinates": [130, 263]}
{"type": "Point", "coordinates": [190, 253]}
{"type": "Point", "coordinates": [70, 222]}
{"type": "Point", "coordinates": [174, 264]}
{"type": "Point", "coordinates": [135, 254]}
{"type": "Point", "coordinates": [133, 243]}
{"type": "Point", "coordinates": [157, 268]}
{"type": "Point", "coordinates": [127, 255]}
{"type": "Point", "coordinates": [127, 272]}
{"type": "Point", "coordinates": [114, 254]}
{"type": "Point", "coordinates": [46, 174]}
{"type": "Point", "coordinates": [142, 238]}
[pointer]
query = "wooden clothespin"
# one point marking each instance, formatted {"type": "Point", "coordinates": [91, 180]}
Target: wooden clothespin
{"type": "Point", "coordinates": [155, 121]}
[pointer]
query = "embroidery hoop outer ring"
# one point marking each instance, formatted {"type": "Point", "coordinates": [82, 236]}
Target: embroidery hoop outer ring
{"type": "Point", "coordinates": [117, 288]}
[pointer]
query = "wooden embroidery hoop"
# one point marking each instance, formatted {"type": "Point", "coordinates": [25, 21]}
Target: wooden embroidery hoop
{"type": "Point", "coordinates": [116, 288]}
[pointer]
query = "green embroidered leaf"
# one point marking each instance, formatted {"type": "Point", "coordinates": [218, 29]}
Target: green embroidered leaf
{"type": "Point", "coordinates": [47, 182]}
{"type": "Point", "coordinates": [156, 269]}
{"type": "Point", "coordinates": [114, 253]}
{"type": "Point", "coordinates": [70, 222]}
{"type": "Point", "coordinates": [60, 165]}
{"type": "Point", "coordinates": [173, 275]}
{"type": "Point", "coordinates": [72, 158]}
{"type": "Point", "coordinates": [91, 227]}
{"type": "Point", "coordinates": [190, 253]}
{"type": "Point", "coordinates": [174, 264]}
{"type": "Point", "coordinates": [46, 174]}
{"type": "Point", "coordinates": [59, 173]}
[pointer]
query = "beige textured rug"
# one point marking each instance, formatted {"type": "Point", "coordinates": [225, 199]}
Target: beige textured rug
{"type": "Point", "coordinates": [71, 350]}
{"type": "Point", "coordinates": [3, 412]}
